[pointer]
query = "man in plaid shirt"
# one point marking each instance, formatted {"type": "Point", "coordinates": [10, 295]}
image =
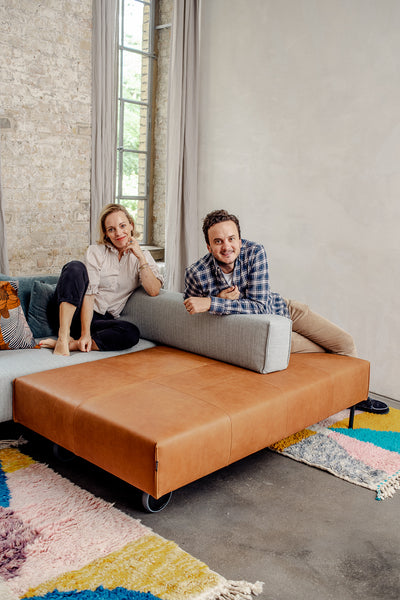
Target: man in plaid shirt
{"type": "Point", "coordinates": [233, 278]}
{"type": "Point", "coordinates": [244, 288]}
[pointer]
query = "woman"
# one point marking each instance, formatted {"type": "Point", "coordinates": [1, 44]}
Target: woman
{"type": "Point", "coordinates": [90, 296]}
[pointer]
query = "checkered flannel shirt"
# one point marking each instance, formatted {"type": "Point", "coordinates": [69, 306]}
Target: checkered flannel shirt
{"type": "Point", "coordinates": [205, 279]}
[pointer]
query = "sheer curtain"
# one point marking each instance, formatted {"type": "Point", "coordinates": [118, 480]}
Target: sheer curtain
{"type": "Point", "coordinates": [182, 145]}
{"type": "Point", "coordinates": [104, 107]}
{"type": "Point", "coordinates": [3, 241]}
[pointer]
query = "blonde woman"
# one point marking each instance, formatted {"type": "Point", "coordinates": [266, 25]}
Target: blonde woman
{"type": "Point", "coordinates": [91, 295]}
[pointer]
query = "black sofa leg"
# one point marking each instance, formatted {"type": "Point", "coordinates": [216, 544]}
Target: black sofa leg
{"type": "Point", "coordinates": [351, 417]}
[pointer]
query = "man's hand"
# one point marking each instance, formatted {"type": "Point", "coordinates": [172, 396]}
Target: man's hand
{"type": "Point", "coordinates": [231, 293]}
{"type": "Point", "coordinates": [197, 305]}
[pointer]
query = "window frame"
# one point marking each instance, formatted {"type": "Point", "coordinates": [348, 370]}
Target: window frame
{"type": "Point", "coordinates": [149, 104]}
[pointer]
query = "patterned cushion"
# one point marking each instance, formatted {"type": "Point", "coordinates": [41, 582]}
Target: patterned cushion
{"type": "Point", "coordinates": [14, 330]}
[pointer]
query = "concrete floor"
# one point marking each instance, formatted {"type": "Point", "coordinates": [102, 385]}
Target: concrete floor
{"type": "Point", "coordinates": [303, 532]}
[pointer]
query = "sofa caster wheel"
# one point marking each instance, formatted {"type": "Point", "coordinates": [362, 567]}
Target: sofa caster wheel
{"type": "Point", "coordinates": [62, 454]}
{"type": "Point", "coordinates": [152, 505]}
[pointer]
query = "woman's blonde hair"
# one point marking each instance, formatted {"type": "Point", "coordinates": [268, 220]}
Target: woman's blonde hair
{"type": "Point", "coordinates": [108, 210]}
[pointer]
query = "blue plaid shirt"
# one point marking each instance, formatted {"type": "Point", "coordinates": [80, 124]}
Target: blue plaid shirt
{"type": "Point", "coordinates": [205, 279]}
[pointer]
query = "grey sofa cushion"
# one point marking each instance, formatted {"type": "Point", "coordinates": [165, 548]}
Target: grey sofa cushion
{"type": "Point", "coordinates": [257, 342]}
{"type": "Point", "coordinates": [15, 363]}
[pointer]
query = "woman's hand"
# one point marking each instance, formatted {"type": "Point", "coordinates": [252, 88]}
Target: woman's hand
{"type": "Point", "coordinates": [85, 343]}
{"type": "Point", "coordinates": [134, 247]}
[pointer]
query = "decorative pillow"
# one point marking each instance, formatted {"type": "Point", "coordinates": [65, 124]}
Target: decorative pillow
{"type": "Point", "coordinates": [37, 313]}
{"type": "Point", "coordinates": [14, 330]}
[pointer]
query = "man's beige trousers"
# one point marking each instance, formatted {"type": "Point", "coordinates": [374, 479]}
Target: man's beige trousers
{"type": "Point", "coordinates": [313, 333]}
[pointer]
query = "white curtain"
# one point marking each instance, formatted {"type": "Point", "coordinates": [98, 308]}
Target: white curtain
{"type": "Point", "coordinates": [182, 145]}
{"type": "Point", "coordinates": [3, 241]}
{"type": "Point", "coordinates": [104, 108]}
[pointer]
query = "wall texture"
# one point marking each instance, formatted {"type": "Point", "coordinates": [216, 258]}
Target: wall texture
{"type": "Point", "coordinates": [45, 130]}
{"type": "Point", "coordinates": [163, 42]}
{"type": "Point", "coordinates": [45, 106]}
{"type": "Point", "coordinates": [300, 137]}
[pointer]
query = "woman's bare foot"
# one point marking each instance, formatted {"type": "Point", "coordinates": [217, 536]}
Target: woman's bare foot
{"type": "Point", "coordinates": [61, 346]}
{"type": "Point", "coordinates": [73, 345]}
{"type": "Point", "coordinates": [47, 343]}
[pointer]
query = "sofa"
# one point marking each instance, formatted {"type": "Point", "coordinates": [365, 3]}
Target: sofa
{"type": "Point", "coordinates": [33, 293]}
{"type": "Point", "coordinates": [161, 320]}
{"type": "Point", "coordinates": [196, 394]}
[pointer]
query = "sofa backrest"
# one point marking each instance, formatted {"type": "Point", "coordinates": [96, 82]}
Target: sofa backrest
{"type": "Point", "coordinates": [25, 284]}
{"type": "Point", "coordinates": [257, 342]}
{"type": "Point", "coordinates": [260, 343]}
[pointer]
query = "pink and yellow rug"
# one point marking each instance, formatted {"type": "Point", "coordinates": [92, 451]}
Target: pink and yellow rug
{"type": "Point", "coordinates": [368, 455]}
{"type": "Point", "coordinates": [60, 542]}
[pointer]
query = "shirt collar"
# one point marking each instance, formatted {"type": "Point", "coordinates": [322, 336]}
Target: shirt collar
{"type": "Point", "coordinates": [111, 247]}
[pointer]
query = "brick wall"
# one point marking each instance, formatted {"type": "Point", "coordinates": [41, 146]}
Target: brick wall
{"type": "Point", "coordinates": [163, 38]}
{"type": "Point", "coordinates": [45, 100]}
{"type": "Point", "coordinates": [45, 130]}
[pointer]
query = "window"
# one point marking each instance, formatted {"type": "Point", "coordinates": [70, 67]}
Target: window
{"type": "Point", "coordinates": [136, 58]}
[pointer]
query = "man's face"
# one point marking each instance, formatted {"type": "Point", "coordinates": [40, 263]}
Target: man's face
{"type": "Point", "coordinates": [224, 244]}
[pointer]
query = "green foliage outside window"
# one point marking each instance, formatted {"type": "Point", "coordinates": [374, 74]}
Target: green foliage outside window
{"type": "Point", "coordinates": [133, 107]}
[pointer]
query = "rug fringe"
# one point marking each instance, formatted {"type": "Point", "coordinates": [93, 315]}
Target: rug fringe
{"type": "Point", "coordinates": [12, 443]}
{"type": "Point", "coordinates": [233, 590]}
{"type": "Point", "coordinates": [388, 488]}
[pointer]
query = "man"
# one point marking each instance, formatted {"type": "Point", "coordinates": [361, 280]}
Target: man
{"type": "Point", "coordinates": [233, 278]}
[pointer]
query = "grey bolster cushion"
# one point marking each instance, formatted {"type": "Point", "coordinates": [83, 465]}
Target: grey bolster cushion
{"type": "Point", "coordinates": [257, 342]}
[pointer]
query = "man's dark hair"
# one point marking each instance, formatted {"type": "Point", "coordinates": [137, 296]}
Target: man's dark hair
{"type": "Point", "coordinates": [218, 216]}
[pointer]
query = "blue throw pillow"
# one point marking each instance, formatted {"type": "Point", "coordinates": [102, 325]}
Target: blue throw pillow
{"type": "Point", "coordinates": [37, 314]}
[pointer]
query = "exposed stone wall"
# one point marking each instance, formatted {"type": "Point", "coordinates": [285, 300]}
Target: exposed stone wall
{"type": "Point", "coordinates": [45, 106]}
{"type": "Point", "coordinates": [165, 14]}
{"type": "Point", "coordinates": [45, 130]}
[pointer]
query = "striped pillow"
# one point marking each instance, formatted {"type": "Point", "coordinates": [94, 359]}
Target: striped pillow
{"type": "Point", "coordinates": [14, 330]}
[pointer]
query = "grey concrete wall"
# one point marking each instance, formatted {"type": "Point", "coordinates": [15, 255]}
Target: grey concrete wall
{"type": "Point", "coordinates": [300, 136]}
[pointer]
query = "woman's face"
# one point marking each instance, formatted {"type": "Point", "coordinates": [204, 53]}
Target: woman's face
{"type": "Point", "coordinates": [118, 229]}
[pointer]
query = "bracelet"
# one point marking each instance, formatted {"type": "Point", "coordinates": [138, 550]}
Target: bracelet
{"type": "Point", "coordinates": [143, 266]}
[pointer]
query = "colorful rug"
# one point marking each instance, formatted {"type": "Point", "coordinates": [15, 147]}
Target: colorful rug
{"type": "Point", "coordinates": [60, 542]}
{"type": "Point", "coordinates": [368, 455]}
